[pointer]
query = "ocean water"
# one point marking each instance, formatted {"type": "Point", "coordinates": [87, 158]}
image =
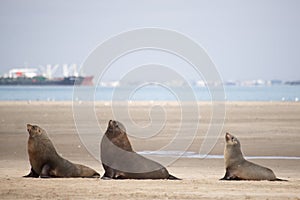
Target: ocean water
{"type": "Point", "coordinates": [190, 154]}
{"type": "Point", "coordinates": [152, 93]}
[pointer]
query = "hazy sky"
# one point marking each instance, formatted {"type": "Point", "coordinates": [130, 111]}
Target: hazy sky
{"type": "Point", "coordinates": [245, 39]}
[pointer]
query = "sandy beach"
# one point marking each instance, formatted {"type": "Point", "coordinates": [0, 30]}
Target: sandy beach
{"type": "Point", "coordinates": [263, 128]}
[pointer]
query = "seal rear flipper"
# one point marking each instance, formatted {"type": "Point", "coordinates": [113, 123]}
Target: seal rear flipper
{"type": "Point", "coordinates": [171, 177]}
{"type": "Point", "coordinates": [96, 175]}
{"type": "Point", "coordinates": [278, 179]}
{"type": "Point", "coordinates": [32, 174]}
{"type": "Point", "coordinates": [105, 178]}
{"type": "Point", "coordinates": [45, 171]}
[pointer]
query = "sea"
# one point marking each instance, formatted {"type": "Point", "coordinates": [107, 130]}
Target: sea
{"type": "Point", "coordinates": [191, 154]}
{"type": "Point", "coordinates": [274, 93]}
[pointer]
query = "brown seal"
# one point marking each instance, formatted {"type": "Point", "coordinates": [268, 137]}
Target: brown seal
{"type": "Point", "coordinates": [238, 168]}
{"type": "Point", "coordinates": [121, 162]}
{"type": "Point", "coordinates": [45, 161]}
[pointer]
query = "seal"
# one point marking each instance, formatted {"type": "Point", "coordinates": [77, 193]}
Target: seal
{"type": "Point", "coordinates": [45, 161]}
{"type": "Point", "coordinates": [120, 161]}
{"type": "Point", "coordinates": [238, 168]}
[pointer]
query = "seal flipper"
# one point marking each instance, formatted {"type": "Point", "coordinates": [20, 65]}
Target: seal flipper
{"type": "Point", "coordinates": [45, 171]}
{"type": "Point", "coordinates": [278, 179]}
{"type": "Point", "coordinates": [171, 177]}
{"type": "Point", "coordinates": [32, 174]}
{"type": "Point", "coordinates": [105, 178]}
{"type": "Point", "coordinates": [109, 174]}
{"type": "Point", "coordinates": [229, 177]}
{"type": "Point", "coordinates": [96, 175]}
{"type": "Point", "coordinates": [226, 176]}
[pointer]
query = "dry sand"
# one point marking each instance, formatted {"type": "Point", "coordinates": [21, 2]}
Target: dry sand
{"type": "Point", "coordinates": [264, 129]}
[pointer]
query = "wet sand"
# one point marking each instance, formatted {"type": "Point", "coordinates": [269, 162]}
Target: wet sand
{"type": "Point", "coordinates": [264, 129]}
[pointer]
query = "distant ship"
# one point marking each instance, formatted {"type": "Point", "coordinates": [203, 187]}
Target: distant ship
{"type": "Point", "coordinates": [41, 80]}
{"type": "Point", "coordinates": [29, 76]}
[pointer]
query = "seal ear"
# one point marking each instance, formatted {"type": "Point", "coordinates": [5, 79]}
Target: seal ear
{"type": "Point", "coordinates": [39, 131]}
{"type": "Point", "coordinates": [121, 127]}
{"type": "Point", "coordinates": [235, 141]}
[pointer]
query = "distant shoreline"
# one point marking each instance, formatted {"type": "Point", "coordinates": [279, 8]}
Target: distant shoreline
{"type": "Point", "coordinates": [142, 103]}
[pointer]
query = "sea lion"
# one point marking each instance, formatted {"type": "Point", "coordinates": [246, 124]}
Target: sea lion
{"type": "Point", "coordinates": [120, 161]}
{"type": "Point", "coordinates": [238, 168]}
{"type": "Point", "coordinates": [45, 161]}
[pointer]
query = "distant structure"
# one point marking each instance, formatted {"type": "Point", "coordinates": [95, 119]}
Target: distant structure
{"type": "Point", "coordinates": [67, 70]}
{"type": "Point", "coordinates": [292, 82]}
{"type": "Point", "coordinates": [22, 72]}
{"type": "Point", "coordinates": [276, 82]}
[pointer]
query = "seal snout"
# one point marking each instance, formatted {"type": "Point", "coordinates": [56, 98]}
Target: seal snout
{"type": "Point", "coordinates": [227, 136]}
{"type": "Point", "coordinates": [111, 122]}
{"type": "Point", "coordinates": [29, 127]}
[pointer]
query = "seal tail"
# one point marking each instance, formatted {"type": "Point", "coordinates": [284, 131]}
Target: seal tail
{"type": "Point", "coordinates": [171, 177]}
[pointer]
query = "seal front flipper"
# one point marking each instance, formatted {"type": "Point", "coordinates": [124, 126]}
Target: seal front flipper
{"type": "Point", "coordinates": [32, 174]}
{"type": "Point", "coordinates": [229, 177]}
{"type": "Point", "coordinates": [226, 176]}
{"type": "Point", "coordinates": [45, 171]}
{"type": "Point", "coordinates": [109, 173]}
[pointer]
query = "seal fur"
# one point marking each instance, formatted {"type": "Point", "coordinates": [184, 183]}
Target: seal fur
{"type": "Point", "coordinates": [45, 161]}
{"type": "Point", "coordinates": [238, 168]}
{"type": "Point", "coordinates": [120, 161]}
